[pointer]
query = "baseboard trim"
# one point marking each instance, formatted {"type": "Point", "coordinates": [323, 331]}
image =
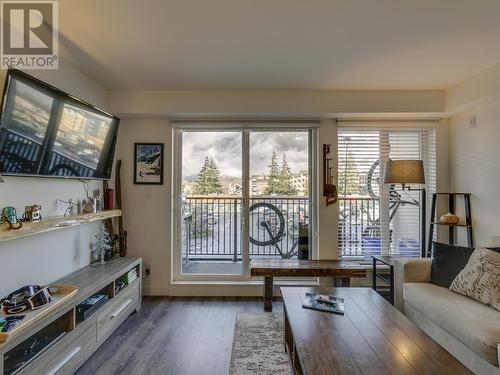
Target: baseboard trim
{"type": "Point", "coordinates": [197, 289]}
{"type": "Point", "coordinates": [148, 290]}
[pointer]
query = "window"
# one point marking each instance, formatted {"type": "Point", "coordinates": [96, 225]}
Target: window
{"type": "Point", "coordinates": [375, 218]}
{"type": "Point", "coordinates": [244, 194]}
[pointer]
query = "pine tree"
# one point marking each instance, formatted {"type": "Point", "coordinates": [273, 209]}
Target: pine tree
{"type": "Point", "coordinates": [285, 186]}
{"type": "Point", "coordinates": [103, 247]}
{"type": "Point", "coordinates": [208, 181]}
{"type": "Point", "coordinates": [272, 178]}
{"type": "Point", "coordinates": [349, 177]}
{"type": "Point", "coordinates": [215, 184]}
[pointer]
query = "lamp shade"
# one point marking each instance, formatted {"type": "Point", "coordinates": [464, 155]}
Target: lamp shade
{"type": "Point", "coordinates": [404, 172]}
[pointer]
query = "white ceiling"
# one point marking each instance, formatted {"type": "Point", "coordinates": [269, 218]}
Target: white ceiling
{"type": "Point", "coordinates": [280, 44]}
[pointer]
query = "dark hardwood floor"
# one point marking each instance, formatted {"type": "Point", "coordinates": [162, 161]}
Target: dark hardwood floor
{"type": "Point", "coordinates": [174, 336]}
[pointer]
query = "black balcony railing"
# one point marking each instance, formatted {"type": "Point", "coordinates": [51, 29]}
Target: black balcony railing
{"type": "Point", "coordinates": [360, 233]}
{"type": "Point", "coordinates": [359, 226]}
{"type": "Point", "coordinates": [212, 226]}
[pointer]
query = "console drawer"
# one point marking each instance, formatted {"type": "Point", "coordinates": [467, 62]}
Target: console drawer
{"type": "Point", "coordinates": [118, 309]}
{"type": "Point", "coordinates": [66, 356]}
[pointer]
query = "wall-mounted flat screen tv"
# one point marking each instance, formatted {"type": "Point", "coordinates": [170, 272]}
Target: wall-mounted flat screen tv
{"type": "Point", "coordinates": [46, 132]}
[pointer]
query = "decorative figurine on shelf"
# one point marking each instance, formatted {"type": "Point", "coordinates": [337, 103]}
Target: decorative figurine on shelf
{"type": "Point", "coordinates": [32, 213]}
{"type": "Point", "coordinates": [89, 206]}
{"type": "Point", "coordinates": [9, 215]}
{"type": "Point", "coordinates": [99, 203]}
{"type": "Point", "coordinates": [69, 208]}
{"type": "Point", "coordinates": [103, 248]}
{"type": "Point", "coordinates": [449, 219]}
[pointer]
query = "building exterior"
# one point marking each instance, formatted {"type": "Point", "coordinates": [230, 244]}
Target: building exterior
{"type": "Point", "coordinates": [299, 182]}
{"type": "Point", "coordinates": [258, 184]}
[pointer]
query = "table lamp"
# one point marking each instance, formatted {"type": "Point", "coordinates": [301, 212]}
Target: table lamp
{"type": "Point", "coordinates": [407, 172]}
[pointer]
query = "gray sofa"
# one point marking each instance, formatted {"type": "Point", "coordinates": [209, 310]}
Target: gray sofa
{"type": "Point", "coordinates": [468, 329]}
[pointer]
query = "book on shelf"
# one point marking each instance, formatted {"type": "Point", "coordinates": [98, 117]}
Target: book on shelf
{"type": "Point", "coordinates": [132, 278]}
{"type": "Point", "coordinates": [323, 302]}
{"type": "Point", "coordinates": [129, 276]}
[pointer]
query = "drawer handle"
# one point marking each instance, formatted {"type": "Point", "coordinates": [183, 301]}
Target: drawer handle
{"type": "Point", "coordinates": [119, 310]}
{"type": "Point", "coordinates": [65, 360]}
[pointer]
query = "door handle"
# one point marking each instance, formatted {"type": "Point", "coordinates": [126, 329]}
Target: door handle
{"type": "Point", "coordinates": [65, 360]}
{"type": "Point", "coordinates": [120, 309]}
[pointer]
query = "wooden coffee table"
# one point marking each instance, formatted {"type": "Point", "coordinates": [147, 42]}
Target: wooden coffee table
{"type": "Point", "coordinates": [373, 337]}
{"type": "Point", "coordinates": [269, 268]}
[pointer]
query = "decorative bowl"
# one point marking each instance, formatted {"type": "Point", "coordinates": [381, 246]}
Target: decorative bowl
{"type": "Point", "coordinates": [449, 218]}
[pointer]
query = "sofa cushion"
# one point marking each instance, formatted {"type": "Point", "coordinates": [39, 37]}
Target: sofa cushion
{"type": "Point", "coordinates": [476, 325]}
{"type": "Point", "coordinates": [447, 262]}
{"type": "Point", "coordinates": [480, 279]}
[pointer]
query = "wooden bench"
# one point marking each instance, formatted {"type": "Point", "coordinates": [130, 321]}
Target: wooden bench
{"type": "Point", "coordinates": [269, 268]}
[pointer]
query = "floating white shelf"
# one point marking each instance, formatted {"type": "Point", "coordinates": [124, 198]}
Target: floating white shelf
{"type": "Point", "coordinates": [53, 223]}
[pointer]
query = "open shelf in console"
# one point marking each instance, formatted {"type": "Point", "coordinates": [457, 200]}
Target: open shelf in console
{"type": "Point", "coordinates": [87, 308]}
{"type": "Point", "coordinates": [127, 278]}
{"type": "Point", "coordinates": [26, 351]}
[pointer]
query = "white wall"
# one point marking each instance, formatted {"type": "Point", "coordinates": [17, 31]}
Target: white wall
{"type": "Point", "coordinates": [46, 257]}
{"type": "Point", "coordinates": [147, 208]}
{"type": "Point", "coordinates": [474, 161]}
{"type": "Point", "coordinates": [327, 216]}
{"type": "Point", "coordinates": [475, 151]}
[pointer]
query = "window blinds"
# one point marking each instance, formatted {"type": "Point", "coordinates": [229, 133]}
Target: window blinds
{"type": "Point", "coordinates": [377, 218]}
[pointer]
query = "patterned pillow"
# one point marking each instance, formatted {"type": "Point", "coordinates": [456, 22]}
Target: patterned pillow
{"type": "Point", "coordinates": [480, 279]}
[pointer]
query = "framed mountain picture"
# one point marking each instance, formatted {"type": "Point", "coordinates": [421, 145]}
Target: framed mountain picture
{"type": "Point", "coordinates": [148, 163]}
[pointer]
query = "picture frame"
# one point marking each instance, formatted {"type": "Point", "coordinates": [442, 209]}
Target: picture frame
{"type": "Point", "coordinates": [148, 163]}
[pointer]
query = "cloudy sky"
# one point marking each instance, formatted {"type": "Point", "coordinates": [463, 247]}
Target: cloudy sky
{"type": "Point", "coordinates": [225, 149]}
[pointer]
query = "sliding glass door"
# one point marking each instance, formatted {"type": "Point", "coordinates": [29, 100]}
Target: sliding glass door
{"type": "Point", "coordinates": [279, 194]}
{"type": "Point", "coordinates": [211, 202]}
{"type": "Point", "coordinates": [243, 193]}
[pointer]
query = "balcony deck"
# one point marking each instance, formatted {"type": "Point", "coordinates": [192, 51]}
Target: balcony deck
{"type": "Point", "coordinates": [210, 267]}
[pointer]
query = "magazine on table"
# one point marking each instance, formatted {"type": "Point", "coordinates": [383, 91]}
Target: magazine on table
{"type": "Point", "coordinates": [323, 302]}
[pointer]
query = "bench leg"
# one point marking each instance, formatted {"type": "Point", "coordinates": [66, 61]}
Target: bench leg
{"type": "Point", "coordinates": [268, 293]}
{"type": "Point", "coordinates": [344, 282]}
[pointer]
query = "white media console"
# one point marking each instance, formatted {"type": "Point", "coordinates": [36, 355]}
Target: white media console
{"type": "Point", "coordinates": [58, 343]}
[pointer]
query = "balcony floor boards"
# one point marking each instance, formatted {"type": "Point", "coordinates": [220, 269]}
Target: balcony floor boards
{"type": "Point", "coordinates": [174, 335]}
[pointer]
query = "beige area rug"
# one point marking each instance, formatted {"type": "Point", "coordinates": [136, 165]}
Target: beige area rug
{"type": "Point", "coordinates": [258, 346]}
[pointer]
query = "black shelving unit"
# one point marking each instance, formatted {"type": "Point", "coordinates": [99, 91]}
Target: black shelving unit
{"type": "Point", "coordinates": [451, 227]}
{"type": "Point", "coordinates": [387, 260]}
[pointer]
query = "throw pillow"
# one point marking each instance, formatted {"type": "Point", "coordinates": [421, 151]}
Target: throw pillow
{"type": "Point", "coordinates": [480, 279]}
{"type": "Point", "coordinates": [447, 262]}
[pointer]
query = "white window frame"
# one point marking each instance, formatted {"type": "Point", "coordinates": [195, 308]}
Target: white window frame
{"type": "Point", "coordinates": [177, 277]}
